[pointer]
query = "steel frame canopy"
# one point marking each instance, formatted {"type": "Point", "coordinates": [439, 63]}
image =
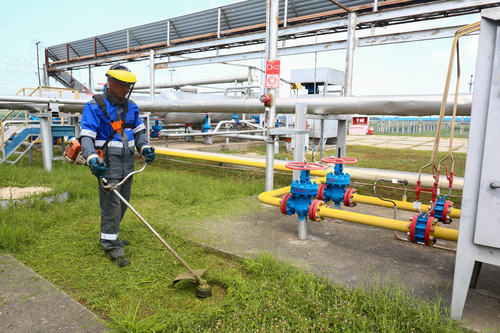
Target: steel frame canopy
{"type": "Point", "coordinates": [244, 23]}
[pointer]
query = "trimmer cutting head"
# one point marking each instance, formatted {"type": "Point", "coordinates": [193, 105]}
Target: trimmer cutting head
{"type": "Point", "coordinates": [203, 290]}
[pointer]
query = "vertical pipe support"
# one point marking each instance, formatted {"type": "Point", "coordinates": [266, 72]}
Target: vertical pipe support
{"type": "Point", "coordinates": [342, 135]}
{"type": "Point", "coordinates": [128, 41]}
{"type": "Point", "coordinates": [351, 45]}
{"type": "Point", "coordinates": [46, 136]}
{"type": "Point", "coordinates": [152, 75]}
{"type": "Point", "coordinates": [272, 53]}
{"type": "Point", "coordinates": [168, 33]}
{"type": "Point", "coordinates": [349, 65]}
{"type": "Point", "coordinates": [302, 227]}
{"type": "Point", "coordinates": [45, 72]}
{"type": "Point", "coordinates": [285, 18]}
{"type": "Point", "coordinates": [321, 137]}
{"type": "Point", "coordinates": [299, 149]}
{"type": "Point", "coordinates": [2, 142]}
{"type": "Point", "coordinates": [218, 22]}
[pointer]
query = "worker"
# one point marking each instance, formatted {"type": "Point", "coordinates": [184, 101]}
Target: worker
{"type": "Point", "coordinates": [110, 130]}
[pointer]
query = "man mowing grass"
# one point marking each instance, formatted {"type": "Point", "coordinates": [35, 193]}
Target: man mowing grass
{"type": "Point", "coordinates": [111, 127]}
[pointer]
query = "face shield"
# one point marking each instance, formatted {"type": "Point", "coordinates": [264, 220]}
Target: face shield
{"type": "Point", "coordinates": [124, 76]}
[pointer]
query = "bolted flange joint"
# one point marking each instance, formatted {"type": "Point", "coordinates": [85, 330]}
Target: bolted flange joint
{"type": "Point", "coordinates": [422, 229]}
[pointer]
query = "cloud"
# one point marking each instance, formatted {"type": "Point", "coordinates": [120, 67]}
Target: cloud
{"type": "Point", "coordinates": [469, 48]}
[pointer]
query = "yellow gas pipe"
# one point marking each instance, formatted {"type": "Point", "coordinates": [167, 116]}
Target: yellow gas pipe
{"type": "Point", "coordinates": [271, 198]}
{"type": "Point", "coordinates": [223, 159]}
{"type": "Point", "coordinates": [404, 205]}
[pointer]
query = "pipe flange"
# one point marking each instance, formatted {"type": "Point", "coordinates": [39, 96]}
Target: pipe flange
{"type": "Point", "coordinates": [421, 230]}
{"type": "Point", "coordinates": [313, 210]}
{"type": "Point", "coordinates": [321, 192]}
{"type": "Point", "coordinates": [283, 203]}
{"type": "Point", "coordinates": [348, 195]}
{"type": "Point", "coordinates": [429, 239]}
{"type": "Point", "coordinates": [447, 206]}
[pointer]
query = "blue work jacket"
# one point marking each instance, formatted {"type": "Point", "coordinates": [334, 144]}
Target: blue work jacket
{"type": "Point", "coordinates": [119, 152]}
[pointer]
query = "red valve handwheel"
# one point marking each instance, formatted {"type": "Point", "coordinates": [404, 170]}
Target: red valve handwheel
{"type": "Point", "coordinates": [305, 166]}
{"type": "Point", "coordinates": [339, 160]}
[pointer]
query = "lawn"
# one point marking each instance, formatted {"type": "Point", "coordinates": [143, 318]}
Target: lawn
{"type": "Point", "coordinates": [262, 294]}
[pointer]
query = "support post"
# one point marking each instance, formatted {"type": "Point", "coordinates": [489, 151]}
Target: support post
{"type": "Point", "coordinates": [349, 64]}
{"type": "Point", "coordinates": [341, 135]}
{"type": "Point", "coordinates": [299, 149]}
{"type": "Point", "coordinates": [321, 137]}
{"type": "Point", "coordinates": [168, 33]}
{"type": "Point", "coordinates": [479, 227]}
{"type": "Point", "coordinates": [46, 136]}
{"type": "Point", "coordinates": [351, 45]}
{"type": "Point", "coordinates": [218, 22]}
{"type": "Point", "coordinates": [272, 53]}
{"type": "Point", "coordinates": [152, 75]}
{"type": "Point", "coordinates": [302, 232]}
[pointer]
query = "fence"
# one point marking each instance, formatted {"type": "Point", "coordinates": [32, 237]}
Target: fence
{"type": "Point", "coordinates": [417, 127]}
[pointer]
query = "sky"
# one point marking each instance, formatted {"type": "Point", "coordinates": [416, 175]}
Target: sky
{"type": "Point", "coordinates": [398, 69]}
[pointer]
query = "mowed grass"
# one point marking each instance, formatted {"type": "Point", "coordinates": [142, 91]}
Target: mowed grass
{"type": "Point", "coordinates": [262, 294]}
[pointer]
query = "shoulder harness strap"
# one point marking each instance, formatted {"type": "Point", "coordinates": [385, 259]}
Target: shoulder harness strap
{"type": "Point", "coordinates": [102, 104]}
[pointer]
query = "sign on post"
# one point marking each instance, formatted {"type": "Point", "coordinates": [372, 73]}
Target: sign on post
{"type": "Point", "coordinates": [272, 74]}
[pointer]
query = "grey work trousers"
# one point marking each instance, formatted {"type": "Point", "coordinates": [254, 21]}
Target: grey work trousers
{"type": "Point", "coordinates": [112, 211]}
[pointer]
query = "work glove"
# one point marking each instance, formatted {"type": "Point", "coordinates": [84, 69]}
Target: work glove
{"type": "Point", "coordinates": [149, 154]}
{"type": "Point", "coordinates": [98, 166]}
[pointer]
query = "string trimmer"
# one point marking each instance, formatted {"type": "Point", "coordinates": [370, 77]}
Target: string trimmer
{"type": "Point", "coordinates": [203, 289]}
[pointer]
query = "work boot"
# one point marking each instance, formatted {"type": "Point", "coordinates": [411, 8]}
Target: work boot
{"type": "Point", "coordinates": [125, 242]}
{"type": "Point", "coordinates": [121, 261]}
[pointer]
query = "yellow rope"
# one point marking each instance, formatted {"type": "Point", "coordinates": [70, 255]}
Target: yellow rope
{"type": "Point", "coordinates": [460, 32]}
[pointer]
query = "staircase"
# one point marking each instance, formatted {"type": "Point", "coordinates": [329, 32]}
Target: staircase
{"type": "Point", "coordinates": [18, 146]}
{"type": "Point", "coordinates": [22, 138]}
{"type": "Point", "coordinates": [67, 80]}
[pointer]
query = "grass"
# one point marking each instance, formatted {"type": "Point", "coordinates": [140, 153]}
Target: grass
{"type": "Point", "coordinates": [60, 242]}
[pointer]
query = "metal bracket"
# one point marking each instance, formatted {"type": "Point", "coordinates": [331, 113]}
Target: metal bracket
{"type": "Point", "coordinates": [285, 131]}
{"type": "Point", "coordinates": [54, 109]}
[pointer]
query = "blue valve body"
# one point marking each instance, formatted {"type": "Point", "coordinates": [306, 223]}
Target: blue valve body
{"type": "Point", "coordinates": [236, 119]}
{"type": "Point", "coordinates": [336, 183]}
{"type": "Point", "coordinates": [156, 129]}
{"type": "Point", "coordinates": [206, 127]}
{"type": "Point", "coordinates": [302, 191]}
{"type": "Point", "coordinates": [420, 228]}
{"type": "Point", "coordinates": [439, 212]}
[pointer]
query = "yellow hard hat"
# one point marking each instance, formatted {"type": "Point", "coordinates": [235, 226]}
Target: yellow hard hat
{"type": "Point", "coordinates": [121, 73]}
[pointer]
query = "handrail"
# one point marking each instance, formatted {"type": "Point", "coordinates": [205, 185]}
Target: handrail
{"type": "Point", "coordinates": [4, 123]}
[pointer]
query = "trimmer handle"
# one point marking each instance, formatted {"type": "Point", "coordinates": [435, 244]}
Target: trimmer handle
{"type": "Point", "coordinates": [104, 183]}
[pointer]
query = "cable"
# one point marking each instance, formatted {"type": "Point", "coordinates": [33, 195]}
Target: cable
{"type": "Point", "coordinates": [460, 32]}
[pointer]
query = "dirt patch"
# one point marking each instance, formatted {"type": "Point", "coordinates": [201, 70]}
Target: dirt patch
{"type": "Point", "coordinates": [7, 193]}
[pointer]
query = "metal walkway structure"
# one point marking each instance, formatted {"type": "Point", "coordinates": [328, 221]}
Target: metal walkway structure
{"type": "Point", "coordinates": [19, 140]}
{"type": "Point", "coordinates": [244, 23]}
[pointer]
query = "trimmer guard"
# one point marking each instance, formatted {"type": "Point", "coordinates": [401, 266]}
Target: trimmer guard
{"type": "Point", "coordinates": [188, 276]}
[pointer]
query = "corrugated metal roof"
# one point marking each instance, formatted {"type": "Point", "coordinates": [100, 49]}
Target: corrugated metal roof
{"type": "Point", "coordinates": [235, 16]}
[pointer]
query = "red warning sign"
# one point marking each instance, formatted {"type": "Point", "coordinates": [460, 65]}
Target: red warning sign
{"type": "Point", "coordinates": [273, 67]}
{"type": "Point", "coordinates": [272, 74]}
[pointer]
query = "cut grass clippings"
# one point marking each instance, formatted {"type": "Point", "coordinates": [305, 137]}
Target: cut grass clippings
{"type": "Point", "coordinates": [61, 242]}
